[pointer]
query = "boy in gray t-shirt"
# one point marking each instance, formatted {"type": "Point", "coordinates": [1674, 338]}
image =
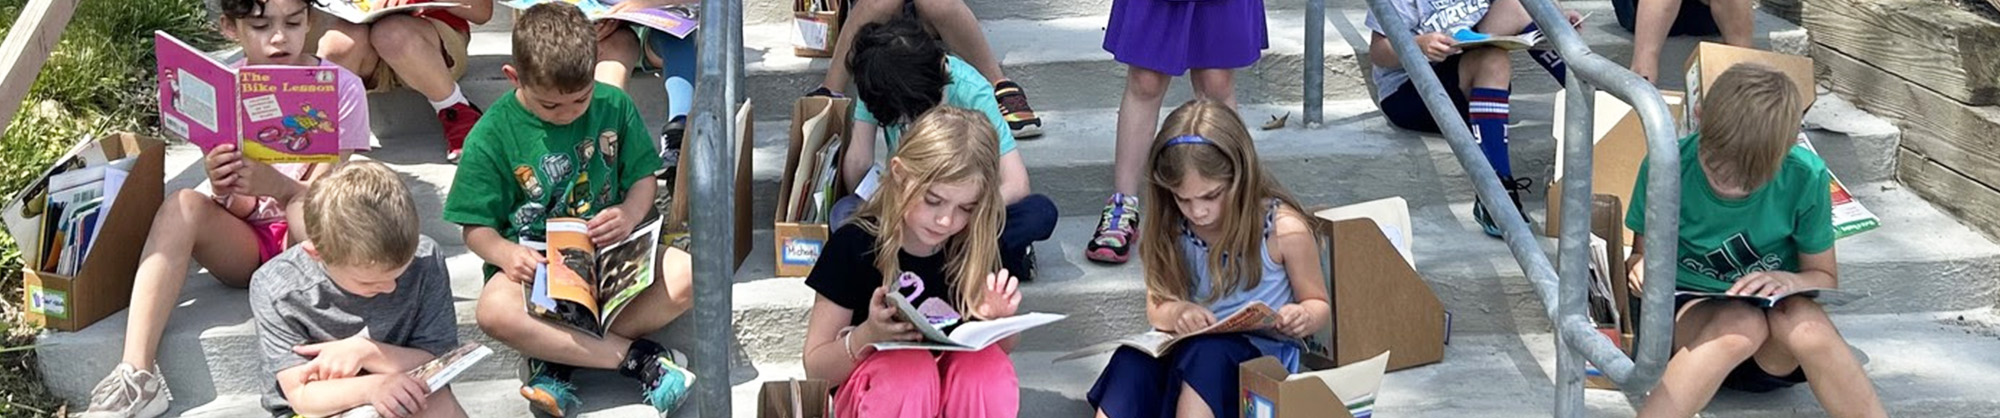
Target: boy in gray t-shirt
{"type": "Point", "coordinates": [342, 317]}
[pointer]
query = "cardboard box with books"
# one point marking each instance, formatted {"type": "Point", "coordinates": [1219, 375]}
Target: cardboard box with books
{"type": "Point", "coordinates": [1319, 390]}
{"type": "Point", "coordinates": [80, 228]}
{"type": "Point", "coordinates": [816, 26]}
{"type": "Point", "coordinates": [811, 182]}
{"type": "Point", "coordinates": [1614, 164]}
{"type": "Point", "coordinates": [1380, 302]}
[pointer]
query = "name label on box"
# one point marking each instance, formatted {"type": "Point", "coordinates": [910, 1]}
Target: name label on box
{"type": "Point", "coordinates": [48, 303]}
{"type": "Point", "coordinates": [802, 251]}
{"type": "Point", "coordinates": [1255, 406]}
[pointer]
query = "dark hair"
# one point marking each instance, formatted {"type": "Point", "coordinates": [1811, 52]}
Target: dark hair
{"type": "Point", "coordinates": [245, 9]}
{"type": "Point", "coordinates": [554, 48]}
{"type": "Point", "coordinates": [898, 69]}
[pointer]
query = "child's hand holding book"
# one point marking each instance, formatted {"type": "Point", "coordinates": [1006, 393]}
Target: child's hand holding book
{"type": "Point", "coordinates": [1191, 317]}
{"type": "Point", "coordinates": [609, 226]}
{"type": "Point", "coordinates": [343, 358]}
{"type": "Point", "coordinates": [520, 263]}
{"type": "Point", "coordinates": [1767, 284]}
{"type": "Point", "coordinates": [882, 325]}
{"type": "Point", "coordinates": [398, 395]}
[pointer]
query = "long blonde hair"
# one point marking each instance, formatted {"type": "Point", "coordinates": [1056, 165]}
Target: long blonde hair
{"type": "Point", "coordinates": [945, 145]}
{"type": "Point", "coordinates": [1207, 138]}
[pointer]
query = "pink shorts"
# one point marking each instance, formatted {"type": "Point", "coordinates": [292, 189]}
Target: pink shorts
{"type": "Point", "coordinates": [270, 239]}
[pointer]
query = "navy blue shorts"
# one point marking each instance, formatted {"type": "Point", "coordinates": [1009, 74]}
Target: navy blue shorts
{"type": "Point", "coordinates": [1748, 376]}
{"type": "Point", "coordinates": [1694, 19]}
{"type": "Point", "coordinates": [1136, 385]}
{"type": "Point", "coordinates": [1405, 106]}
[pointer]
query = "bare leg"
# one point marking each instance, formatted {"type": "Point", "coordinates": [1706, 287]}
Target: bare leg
{"type": "Point", "coordinates": [1138, 118]}
{"type": "Point", "coordinates": [1191, 405]}
{"type": "Point", "coordinates": [410, 45]}
{"type": "Point", "coordinates": [346, 44]}
{"type": "Point", "coordinates": [616, 54]}
{"type": "Point", "coordinates": [954, 21]}
{"type": "Point", "coordinates": [1735, 20]}
{"type": "Point", "coordinates": [1215, 84]}
{"type": "Point", "coordinates": [189, 224]}
{"type": "Point", "coordinates": [661, 303]}
{"type": "Point", "coordinates": [1649, 32]}
{"type": "Point", "coordinates": [1711, 338]}
{"type": "Point", "coordinates": [500, 315]}
{"type": "Point", "coordinates": [1505, 17]}
{"type": "Point", "coordinates": [863, 13]}
{"type": "Point", "coordinates": [442, 404]}
{"type": "Point", "coordinates": [1806, 338]}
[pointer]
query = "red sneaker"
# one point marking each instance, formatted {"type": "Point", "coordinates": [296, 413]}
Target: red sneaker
{"type": "Point", "coordinates": [457, 121]}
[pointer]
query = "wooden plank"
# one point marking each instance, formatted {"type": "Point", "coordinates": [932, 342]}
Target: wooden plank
{"type": "Point", "coordinates": [1789, 10]}
{"type": "Point", "coordinates": [1934, 126]}
{"type": "Point", "coordinates": [28, 45]}
{"type": "Point", "coordinates": [1931, 43]}
{"type": "Point", "coordinates": [1972, 203]}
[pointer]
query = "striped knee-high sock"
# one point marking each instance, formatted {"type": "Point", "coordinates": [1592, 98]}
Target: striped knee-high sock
{"type": "Point", "coordinates": [1489, 125]}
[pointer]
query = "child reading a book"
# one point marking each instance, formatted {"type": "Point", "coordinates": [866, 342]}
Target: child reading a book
{"type": "Point", "coordinates": [1225, 209]}
{"type": "Point", "coordinates": [929, 237]}
{"type": "Point", "coordinates": [1476, 79]}
{"type": "Point", "coordinates": [561, 145]}
{"type": "Point", "coordinates": [1652, 21]}
{"type": "Point", "coordinates": [1756, 219]}
{"type": "Point", "coordinates": [900, 73]}
{"type": "Point", "coordinates": [342, 318]}
{"type": "Point", "coordinates": [424, 50]}
{"type": "Point", "coordinates": [951, 21]}
{"type": "Point", "coordinates": [241, 226]}
{"type": "Point", "coordinates": [619, 49]}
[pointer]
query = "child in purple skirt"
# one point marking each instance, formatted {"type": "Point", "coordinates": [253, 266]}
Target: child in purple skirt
{"type": "Point", "coordinates": [1158, 40]}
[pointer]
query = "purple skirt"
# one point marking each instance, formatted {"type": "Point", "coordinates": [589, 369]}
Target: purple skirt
{"type": "Point", "coordinates": [1173, 36]}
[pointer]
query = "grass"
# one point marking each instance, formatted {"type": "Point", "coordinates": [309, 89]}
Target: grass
{"type": "Point", "coordinates": [98, 80]}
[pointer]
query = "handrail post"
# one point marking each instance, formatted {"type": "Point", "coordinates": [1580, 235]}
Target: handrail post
{"type": "Point", "coordinates": [1573, 249]}
{"type": "Point", "coordinates": [711, 218]}
{"type": "Point", "coordinates": [1315, 77]}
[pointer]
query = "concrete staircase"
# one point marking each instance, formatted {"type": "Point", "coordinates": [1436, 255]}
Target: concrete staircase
{"type": "Point", "coordinates": [1927, 326]}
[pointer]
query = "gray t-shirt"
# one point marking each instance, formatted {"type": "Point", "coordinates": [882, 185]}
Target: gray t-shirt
{"type": "Point", "coordinates": [1424, 16]}
{"type": "Point", "coordinates": [294, 303]}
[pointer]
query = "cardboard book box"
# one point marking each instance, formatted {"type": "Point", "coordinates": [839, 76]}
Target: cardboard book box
{"type": "Point", "coordinates": [1380, 302]}
{"type": "Point", "coordinates": [816, 26]}
{"type": "Point", "coordinates": [798, 244]}
{"type": "Point", "coordinates": [795, 399]}
{"type": "Point", "coordinates": [683, 182]}
{"type": "Point", "coordinates": [103, 284]}
{"type": "Point", "coordinates": [1614, 166]}
{"type": "Point", "coordinates": [1319, 390]}
{"type": "Point", "coordinates": [1710, 60]}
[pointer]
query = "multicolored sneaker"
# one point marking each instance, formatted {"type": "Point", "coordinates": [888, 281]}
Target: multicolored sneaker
{"type": "Point", "coordinates": [457, 121]}
{"type": "Point", "coordinates": [129, 393]}
{"type": "Point", "coordinates": [670, 382]}
{"type": "Point", "coordinates": [548, 393]}
{"type": "Point", "coordinates": [1116, 231]}
{"type": "Point", "coordinates": [1515, 186]}
{"type": "Point", "coordinates": [1014, 107]}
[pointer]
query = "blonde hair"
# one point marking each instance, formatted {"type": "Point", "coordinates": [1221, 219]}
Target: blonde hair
{"type": "Point", "coordinates": [1224, 153]}
{"type": "Point", "coordinates": [361, 215]}
{"type": "Point", "coordinates": [1750, 120]}
{"type": "Point", "coordinates": [945, 145]}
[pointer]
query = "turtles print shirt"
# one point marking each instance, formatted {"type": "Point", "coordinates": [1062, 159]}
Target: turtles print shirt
{"type": "Point", "coordinates": [518, 171]}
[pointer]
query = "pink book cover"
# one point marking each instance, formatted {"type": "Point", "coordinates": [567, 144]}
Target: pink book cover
{"type": "Point", "coordinates": [276, 114]}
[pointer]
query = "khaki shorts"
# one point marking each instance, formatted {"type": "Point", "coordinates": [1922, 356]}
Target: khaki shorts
{"type": "Point", "coordinates": [454, 43]}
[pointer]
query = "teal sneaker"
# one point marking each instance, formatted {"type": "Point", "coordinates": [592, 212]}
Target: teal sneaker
{"type": "Point", "coordinates": [547, 393]}
{"type": "Point", "coordinates": [670, 383]}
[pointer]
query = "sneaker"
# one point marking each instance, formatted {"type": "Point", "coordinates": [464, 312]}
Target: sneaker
{"type": "Point", "coordinates": [670, 146]}
{"type": "Point", "coordinates": [547, 393]}
{"type": "Point", "coordinates": [457, 121]}
{"type": "Point", "coordinates": [130, 393]}
{"type": "Point", "coordinates": [1484, 220]}
{"type": "Point", "coordinates": [670, 384]}
{"type": "Point", "coordinates": [1023, 265]}
{"type": "Point", "coordinates": [1116, 231]}
{"type": "Point", "coordinates": [1014, 107]}
{"type": "Point", "coordinates": [1514, 188]}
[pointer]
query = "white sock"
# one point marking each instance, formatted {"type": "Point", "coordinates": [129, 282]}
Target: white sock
{"type": "Point", "coordinates": [457, 96]}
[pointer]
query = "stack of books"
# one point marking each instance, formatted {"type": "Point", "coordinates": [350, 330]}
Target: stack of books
{"type": "Point", "coordinates": [78, 199]}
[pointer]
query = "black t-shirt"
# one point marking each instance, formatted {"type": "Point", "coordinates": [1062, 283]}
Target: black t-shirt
{"type": "Point", "coordinates": [846, 274]}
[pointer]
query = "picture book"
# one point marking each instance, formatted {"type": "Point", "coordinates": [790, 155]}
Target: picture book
{"type": "Point", "coordinates": [276, 114]}
{"type": "Point", "coordinates": [674, 20]}
{"type": "Point", "coordinates": [1849, 217]}
{"type": "Point", "coordinates": [366, 11]}
{"type": "Point", "coordinates": [967, 336]}
{"type": "Point", "coordinates": [1468, 39]}
{"type": "Point", "coordinates": [1825, 296]}
{"type": "Point", "coordinates": [585, 287]}
{"type": "Point", "coordinates": [436, 374]}
{"type": "Point", "coordinates": [1257, 318]}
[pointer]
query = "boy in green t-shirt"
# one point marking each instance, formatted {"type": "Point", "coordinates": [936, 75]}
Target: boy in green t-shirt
{"type": "Point", "coordinates": [562, 145]}
{"type": "Point", "coordinates": [1756, 219]}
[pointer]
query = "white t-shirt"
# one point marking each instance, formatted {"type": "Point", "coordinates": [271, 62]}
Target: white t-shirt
{"type": "Point", "coordinates": [1425, 16]}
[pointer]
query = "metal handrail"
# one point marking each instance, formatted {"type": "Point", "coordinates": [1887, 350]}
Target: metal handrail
{"type": "Point", "coordinates": [720, 78]}
{"type": "Point", "coordinates": [1565, 296]}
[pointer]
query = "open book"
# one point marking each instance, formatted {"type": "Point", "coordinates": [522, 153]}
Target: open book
{"type": "Point", "coordinates": [585, 287]}
{"type": "Point", "coordinates": [1257, 318]}
{"type": "Point", "coordinates": [1825, 296]}
{"type": "Point", "coordinates": [1468, 39]}
{"type": "Point", "coordinates": [275, 113]}
{"type": "Point", "coordinates": [969, 336]}
{"type": "Point", "coordinates": [675, 20]}
{"type": "Point", "coordinates": [435, 374]}
{"type": "Point", "coordinates": [366, 11]}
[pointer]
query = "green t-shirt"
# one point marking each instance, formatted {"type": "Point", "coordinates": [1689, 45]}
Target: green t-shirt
{"type": "Point", "coordinates": [518, 171]}
{"type": "Point", "coordinates": [1722, 240]}
{"type": "Point", "coordinates": [967, 90]}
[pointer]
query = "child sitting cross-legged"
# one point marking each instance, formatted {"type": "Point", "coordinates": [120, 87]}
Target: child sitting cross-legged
{"type": "Point", "coordinates": [1756, 219]}
{"type": "Point", "coordinates": [341, 319]}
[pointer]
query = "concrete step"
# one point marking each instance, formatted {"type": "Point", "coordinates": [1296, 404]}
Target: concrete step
{"type": "Point", "coordinates": [776, 12]}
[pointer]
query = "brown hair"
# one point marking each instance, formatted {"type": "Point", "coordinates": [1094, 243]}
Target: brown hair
{"type": "Point", "coordinates": [554, 48]}
{"type": "Point", "coordinates": [1750, 119]}
{"type": "Point", "coordinates": [362, 215]}
{"type": "Point", "coordinates": [1224, 153]}
{"type": "Point", "coordinates": [945, 145]}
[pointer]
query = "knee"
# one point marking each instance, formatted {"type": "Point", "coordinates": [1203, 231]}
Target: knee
{"type": "Point", "coordinates": [1221, 354]}
{"type": "Point", "coordinates": [872, 11]}
{"type": "Point", "coordinates": [1738, 330]}
{"type": "Point", "coordinates": [991, 364]}
{"type": "Point", "coordinates": [1804, 327]}
{"type": "Point", "coordinates": [179, 209]}
{"type": "Point", "coordinates": [1146, 84]}
{"type": "Point", "coordinates": [906, 368]}
{"type": "Point", "coordinates": [495, 320]}
{"type": "Point", "coordinates": [1489, 63]}
{"type": "Point", "coordinates": [1034, 209]}
{"type": "Point", "coordinates": [401, 36]}
{"type": "Point", "coordinates": [936, 9]}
